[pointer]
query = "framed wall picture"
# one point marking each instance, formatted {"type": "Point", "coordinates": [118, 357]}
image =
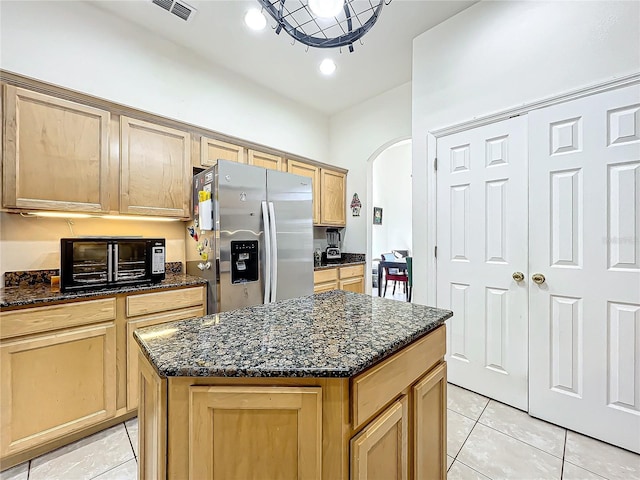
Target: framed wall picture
{"type": "Point", "coordinates": [377, 215]}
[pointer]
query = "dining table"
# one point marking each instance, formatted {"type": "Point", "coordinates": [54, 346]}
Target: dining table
{"type": "Point", "coordinates": [399, 263]}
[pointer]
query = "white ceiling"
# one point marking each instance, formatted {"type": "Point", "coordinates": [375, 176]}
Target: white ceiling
{"type": "Point", "coordinates": [218, 34]}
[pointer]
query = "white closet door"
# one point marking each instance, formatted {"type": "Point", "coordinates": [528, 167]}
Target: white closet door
{"type": "Point", "coordinates": [584, 200]}
{"type": "Point", "coordinates": [482, 241]}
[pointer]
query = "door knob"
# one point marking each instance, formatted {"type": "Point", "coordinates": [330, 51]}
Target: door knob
{"type": "Point", "coordinates": [518, 276]}
{"type": "Point", "coordinates": [538, 278]}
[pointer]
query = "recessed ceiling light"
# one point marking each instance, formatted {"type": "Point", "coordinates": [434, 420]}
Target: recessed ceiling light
{"type": "Point", "coordinates": [255, 20]}
{"type": "Point", "coordinates": [327, 66]}
{"type": "Point", "coordinates": [326, 8]}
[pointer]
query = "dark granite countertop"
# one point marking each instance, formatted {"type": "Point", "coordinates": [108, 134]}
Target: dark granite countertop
{"type": "Point", "coordinates": [330, 334]}
{"type": "Point", "coordinates": [41, 293]}
{"type": "Point", "coordinates": [346, 260]}
{"type": "Point", "coordinates": [326, 265]}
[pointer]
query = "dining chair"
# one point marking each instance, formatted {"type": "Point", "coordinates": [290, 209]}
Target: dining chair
{"type": "Point", "coordinates": [410, 277]}
{"type": "Point", "coordinates": [393, 274]}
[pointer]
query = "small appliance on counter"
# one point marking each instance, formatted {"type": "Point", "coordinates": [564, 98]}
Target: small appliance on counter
{"type": "Point", "coordinates": [104, 262]}
{"type": "Point", "coordinates": [333, 244]}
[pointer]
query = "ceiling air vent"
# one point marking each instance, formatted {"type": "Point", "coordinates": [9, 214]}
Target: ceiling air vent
{"type": "Point", "coordinates": [179, 9]}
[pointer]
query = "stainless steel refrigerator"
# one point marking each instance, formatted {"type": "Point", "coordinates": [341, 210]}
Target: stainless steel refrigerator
{"type": "Point", "coordinates": [253, 235]}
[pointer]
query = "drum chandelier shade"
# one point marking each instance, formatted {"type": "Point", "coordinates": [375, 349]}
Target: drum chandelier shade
{"type": "Point", "coordinates": [300, 20]}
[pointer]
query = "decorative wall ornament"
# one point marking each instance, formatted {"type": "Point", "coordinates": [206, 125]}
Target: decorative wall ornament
{"type": "Point", "coordinates": [377, 215]}
{"type": "Point", "coordinates": [310, 27]}
{"type": "Point", "coordinates": [356, 205]}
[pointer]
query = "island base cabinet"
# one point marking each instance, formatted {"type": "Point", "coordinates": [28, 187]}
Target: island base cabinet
{"type": "Point", "coordinates": [379, 452]}
{"type": "Point", "coordinates": [45, 390]}
{"type": "Point", "coordinates": [430, 424]}
{"type": "Point", "coordinates": [255, 432]}
{"type": "Point", "coordinates": [152, 423]}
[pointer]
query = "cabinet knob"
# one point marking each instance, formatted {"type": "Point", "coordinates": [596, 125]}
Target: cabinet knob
{"type": "Point", "coordinates": [518, 276]}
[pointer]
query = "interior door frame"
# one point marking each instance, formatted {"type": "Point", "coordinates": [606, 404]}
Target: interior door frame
{"type": "Point", "coordinates": [434, 135]}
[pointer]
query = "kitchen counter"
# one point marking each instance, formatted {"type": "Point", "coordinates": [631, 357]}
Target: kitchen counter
{"type": "Point", "coordinates": [41, 293]}
{"type": "Point", "coordinates": [346, 260]}
{"type": "Point", "coordinates": [326, 386]}
{"type": "Point", "coordinates": [331, 334]}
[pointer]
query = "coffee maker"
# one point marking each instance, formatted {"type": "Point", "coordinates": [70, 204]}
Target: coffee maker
{"type": "Point", "coordinates": [333, 244]}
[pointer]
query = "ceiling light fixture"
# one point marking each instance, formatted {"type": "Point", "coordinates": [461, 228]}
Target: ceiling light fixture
{"type": "Point", "coordinates": [326, 8]}
{"type": "Point", "coordinates": [255, 20]}
{"type": "Point", "coordinates": [312, 23]}
{"type": "Point", "coordinates": [327, 66]}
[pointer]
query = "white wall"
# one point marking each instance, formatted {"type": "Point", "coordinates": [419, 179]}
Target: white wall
{"type": "Point", "coordinates": [358, 135]}
{"type": "Point", "coordinates": [392, 192]}
{"type": "Point", "coordinates": [497, 55]}
{"type": "Point", "coordinates": [80, 47]}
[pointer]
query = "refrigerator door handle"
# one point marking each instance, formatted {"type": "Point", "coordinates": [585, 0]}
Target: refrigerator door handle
{"type": "Point", "coordinates": [267, 247]}
{"type": "Point", "coordinates": [274, 253]}
{"type": "Point", "coordinates": [109, 263]}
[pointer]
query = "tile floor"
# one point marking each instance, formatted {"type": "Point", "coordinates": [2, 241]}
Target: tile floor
{"type": "Point", "coordinates": [486, 440]}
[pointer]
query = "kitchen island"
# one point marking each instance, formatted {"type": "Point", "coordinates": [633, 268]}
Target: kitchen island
{"type": "Point", "coordinates": [334, 385]}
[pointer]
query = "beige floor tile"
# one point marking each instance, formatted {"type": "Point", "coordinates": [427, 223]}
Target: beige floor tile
{"type": "Point", "coordinates": [132, 429]}
{"type": "Point", "coordinates": [459, 471]}
{"type": "Point", "coordinates": [19, 472]}
{"type": "Point", "coordinates": [126, 471]}
{"type": "Point", "coordinates": [458, 428]}
{"type": "Point", "coordinates": [465, 402]}
{"type": "Point", "coordinates": [517, 424]}
{"type": "Point", "coordinates": [601, 458]}
{"type": "Point", "coordinates": [498, 456]}
{"type": "Point", "coordinates": [449, 461]}
{"type": "Point", "coordinates": [85, 458]}
{"type": "Point", "coordinates": [573, 472]}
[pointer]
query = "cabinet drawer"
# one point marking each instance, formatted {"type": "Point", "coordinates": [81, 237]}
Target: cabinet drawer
{"type": "Point", "coordinates": [328, 275]}
{"type": "Point", "coordinates": [352, 271]}
{"type": "Point", "coordinates": [162, 301]}
{"type": "Point", "coordinates": [376, 387]}
{"type": "Point", "coordinates": [325, 287]}
{"type": "Point", "coordinates": [53, 317]}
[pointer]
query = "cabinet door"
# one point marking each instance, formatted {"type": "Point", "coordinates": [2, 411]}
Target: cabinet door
{"type": "Point", "coordinates": [155, 169]}
{"type": "Point", "coordinates": [212, 150]}
{"type": "Point", "coordinates": [355, 284]}
{"type": "Point", "coordinates": [133, 349]}
{"type": "Point", "coordinates": [332, 197]}
{"type": "Point", "coordinates": [266, 160]}
{"type": "Point", "coordinates": [325, 287]}
{"type": "Point", "coordinates": [380, 450]}
{"type": "Point", "coordinates": [430, 425]}
{"type": "Point", "coordinates": [54, 384]}
{"type": "Point", "coordinates": [55, 153]}
{"type": "Point", "coordinates": [255, 432]}
{"type": "Point", "coordinates": [313, 172]}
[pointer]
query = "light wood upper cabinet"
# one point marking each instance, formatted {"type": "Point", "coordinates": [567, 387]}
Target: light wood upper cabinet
{"type": "Point", "coordinates": [266, 160]}
{"type": "Point", "coordinates": [155, 169]}
{"type": "Point", "coordinates": [54, 384]}
{"type": "Point", "coordinates": [333, 197]}
{"type": "Point", "coordinates": [381, 449]}
{"type": "Point", "coordinates": [55, 153]}
{"type": "Point", "coordinates": [212, 150]}
{"type": "Point", "coordinates": [313, 172]}
{"type": "Point", "coordinates": [255, 432]}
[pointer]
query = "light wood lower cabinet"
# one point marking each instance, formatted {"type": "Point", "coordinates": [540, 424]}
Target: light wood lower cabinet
{"type": "Point", "coordinates": [55, 384]}
{"type": "Point", "coordinates": [255, 432]}
{"type": "Point", "coordinates": [380, 451]}
{"type": "Point", "coordinates": [349, 278]}
{"type": "Point", "coordinates": [70, 369]}
{"type": "Point", "coordinates": [387, 422]}
{"type": "Point", "coordinates": [430, 431]}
